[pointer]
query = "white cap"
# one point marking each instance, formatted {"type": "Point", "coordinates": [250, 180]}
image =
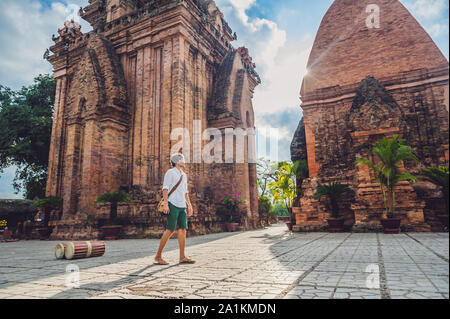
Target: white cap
{"type": "Point", "coordinates": [176, 158]}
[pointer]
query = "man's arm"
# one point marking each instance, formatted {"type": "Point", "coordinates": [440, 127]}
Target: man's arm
{"type": "Point", "coordinates": [190, 211]}
{"type": "Point", "coordinates": [166, 200]}
{"type": "Point", "coordinates": [166, 184]}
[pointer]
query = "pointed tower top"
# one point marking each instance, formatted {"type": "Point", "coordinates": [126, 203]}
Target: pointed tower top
{"type": "Point", "coordinates": [360, 38]}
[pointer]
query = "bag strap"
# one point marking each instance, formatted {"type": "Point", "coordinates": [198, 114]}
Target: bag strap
{"type": "Point", "coordinates": [176, 186]}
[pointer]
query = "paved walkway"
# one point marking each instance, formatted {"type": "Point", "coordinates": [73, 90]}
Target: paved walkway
{"type": "Point", "coordinates": [269, 263]}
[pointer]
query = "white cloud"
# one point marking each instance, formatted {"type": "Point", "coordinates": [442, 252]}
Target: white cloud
{"type": "Point", "coordinates": [428, 9]}
{"type": "Point", "coordinates": [280, 63]}
{"type": "Point", "coordinates": [241, 6]}
{"type": "Point", "coordinates": [26, 27]}
{"type": "Point", "coordinates": [282, 79]}
{"type": "Point", "coordinates": [437, 30]}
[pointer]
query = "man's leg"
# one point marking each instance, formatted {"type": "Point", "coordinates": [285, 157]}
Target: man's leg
{"type": "Point", "coordinates": [170, 230]}
{"type": "Point", "coordinates": [182, 223]}
{"type": "Point", "coordinates": [182, 242]}
{"type": "Point", "coordinates": [165, 238]}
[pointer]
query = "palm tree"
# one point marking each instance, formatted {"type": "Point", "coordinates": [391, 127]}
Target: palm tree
{"type": "Point", "coordinates": [285, 188]}
{"type": "Point", "coordinates": [389, 153]}
{"type": "Point", "coordinates": [114, 199]}
{"type": "Point", "coordinates": [334, 192]}
{"type": "Point", "coordinates": [439, 177]}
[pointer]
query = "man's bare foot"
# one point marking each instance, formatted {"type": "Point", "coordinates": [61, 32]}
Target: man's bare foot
{"type": "Point", "coordinates": [160, 261]}
{"type": "Point", "coordinates": [186, 260]}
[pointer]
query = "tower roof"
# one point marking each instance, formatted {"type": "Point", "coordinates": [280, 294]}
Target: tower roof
{"type": "Point", "coordinates": [346, 50]}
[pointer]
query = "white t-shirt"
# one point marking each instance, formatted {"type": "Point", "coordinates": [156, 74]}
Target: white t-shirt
{"type": "Point", "coordinates": [171, 178]}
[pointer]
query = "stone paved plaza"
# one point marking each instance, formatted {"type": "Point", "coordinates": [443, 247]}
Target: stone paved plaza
{"type": "Point", "coordinates": [267, 263]}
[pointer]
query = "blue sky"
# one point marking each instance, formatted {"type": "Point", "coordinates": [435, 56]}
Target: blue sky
{"type": "Point", "coordinates": [279, 35]}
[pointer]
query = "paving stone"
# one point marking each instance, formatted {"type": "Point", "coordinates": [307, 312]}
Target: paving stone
{"type": "Point", "coordinates": [410, 282]}
{"type": "Point", "coordinates": [268, 263]}
{"type": "Point", "coordinates": [310, 292]}
{"type": "Point", "coordinates": [410, 294]}
{"type": "Point", "coordinates": [263, 276]}
{"type": "Point", "coordinates": [164, 288]}
{"type": "Point", "coordinates": [202, 273]}
{"type": "Point", "coordinates": [354, 293]}
{"type": "Point", "coordinates": [356, 280]}
{"type": "Point", "coordinates": [322, 279]}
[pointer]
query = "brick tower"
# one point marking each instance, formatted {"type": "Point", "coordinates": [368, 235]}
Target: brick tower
{"type": "Point", "coordinates": [373, 72]}
{"type": "Point", "coordinates": [147, 68]}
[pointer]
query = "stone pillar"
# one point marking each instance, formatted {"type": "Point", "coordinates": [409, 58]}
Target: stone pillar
{"type": "Point", "coordinates": [90, 168]}
{"type": "Point", "coordinates": [311, 150]}
{"type": "Point", "coordinates": [253, 193]}
{"type": "Point", "coordinates": [71, 167]}
{"type": "Point", "coordinates": [156, 119]}
{"type": "Point", "coordinates": [143, 114]}
{"type": "Point", "coordinates": [166, 106]}
{"type": "Point", "coordinates": [138, 160]}
{"type": "Point", "coordinates": [54, 169]}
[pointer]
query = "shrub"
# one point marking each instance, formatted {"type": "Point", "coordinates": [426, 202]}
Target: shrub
{"type": "Point", "coordinates": [265, 208]}
{"type": "Point", "coordinates": [113, 198]}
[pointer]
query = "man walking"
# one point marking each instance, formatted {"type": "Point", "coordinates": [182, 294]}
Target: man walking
{"type": "Point", "coordinates": [176, 202]}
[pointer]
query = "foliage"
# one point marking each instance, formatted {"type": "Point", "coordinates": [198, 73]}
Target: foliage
{"type": "Point", "coordinates": [49, 203]}
{"type": "Point", "coordinates": [113, 198]}
{"type": "Point", "coordinates": [439, 176]}
{"type": "Point", "coordinates": [388, 154]}
{"type": "Point", "coordinates": [279, 209]}
{"type": "Point", "coordinates": [285, 188]}
{"type": "Point", "coordinates": [231, 202]}
{"type": "Point", "coordinates": [26, 122]}
{"type": "Point", "coordinates": [265, 208]}
{"type": "Point", "coordinates": [334, 191]}
{"type": "Point", "coordinates": [267, 174]}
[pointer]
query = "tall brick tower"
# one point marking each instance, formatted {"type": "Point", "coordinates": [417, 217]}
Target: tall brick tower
{"type": "Point", "coordinates": [373, 72]}
{"type": "Point", "coordinates": [147, 68]}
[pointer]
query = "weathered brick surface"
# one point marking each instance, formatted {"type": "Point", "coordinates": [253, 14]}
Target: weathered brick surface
{"type": "Point", "coordinates": [364, 84]}
{"type": "Point", "coordinates": [346, 50]}
{"type": "Point", "coordinates": [147, 68]}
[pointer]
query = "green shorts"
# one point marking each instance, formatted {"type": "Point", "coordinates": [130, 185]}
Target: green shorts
{"type": "Point", "coordinates": [176, 217]}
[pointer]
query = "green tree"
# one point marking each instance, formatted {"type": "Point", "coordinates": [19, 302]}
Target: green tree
{"type": "Point", "coordinates": [113, 199]}
{"type": "Point", "coordinates": [265, 208]}
{"type": "Point", "coordinates": [439, 176]}
{"type": "Point", "coordinates": [279, 209]}
{"type": "Point", "coordinates": [334, 191]}
{"type": "Point", "coordinates": [267, 174]}
{"type": "Point", "coordinates": [388, 155]}
{"type": "Point", "coordinates": [26, 124]}
{"type": "Point", "coordinates": [285, 188]}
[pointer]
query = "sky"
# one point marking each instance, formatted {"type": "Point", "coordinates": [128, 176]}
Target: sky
{"type": "Point", "coordinates": [279, 35]}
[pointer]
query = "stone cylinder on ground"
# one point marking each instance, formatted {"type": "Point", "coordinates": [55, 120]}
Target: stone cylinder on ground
{"type": "Point", "coordinates": [84, 249]}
